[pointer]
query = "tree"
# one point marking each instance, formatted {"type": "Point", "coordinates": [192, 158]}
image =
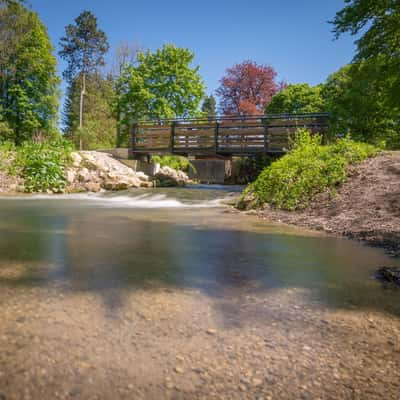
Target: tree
{"type": "Point", "coordinates": [379, 22]}
{"type": "Point", "coordinates": [83, 47]}
{"type": "Point", "coordinates": [358, 105]}
{"type": "Point", "coordinates": [125, 55]}
{"type": "Point", "coordinates": [163, 84]}
{"type": "Point", "coordinates": [28, 80]}
{"type": "Point", "coordinates": [99, 128]}
{"type": "Point", "coordinates": [209, 106]}
{"type": "Point", "coordinates": [247, 88]}
{"type": "Point", "coordinates": [297, 99]}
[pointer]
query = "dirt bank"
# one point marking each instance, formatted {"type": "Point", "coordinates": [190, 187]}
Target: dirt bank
{"type": "Point", "coordinates": [366, 207]}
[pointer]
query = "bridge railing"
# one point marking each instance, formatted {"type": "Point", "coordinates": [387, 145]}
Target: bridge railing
{"type": "Point", "coordinates": [238, 135]}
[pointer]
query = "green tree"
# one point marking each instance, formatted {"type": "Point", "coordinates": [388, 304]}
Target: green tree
{"type": "Point", "coordinates": [358, 105]}
{"type": "Point", "coordinates": [378, 21]}
{"type": "Point", "coordinates": [83, 47]}
{"type": "Point", "coordinates": [297, 99]}
{"type": "Point", "coordinates": [209, 106]}
{"type": "Point", "coordinates": [99, 128]}
{"type": "Point", "coordinates": [163, 84]}
{"type": "Point", "coordinates": [28, 80]}
{"type": "Point", "coordinates": [125, 55]}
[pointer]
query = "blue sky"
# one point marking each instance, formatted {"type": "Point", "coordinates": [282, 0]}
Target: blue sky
{"type": "Point", "coordinates": [293, 36]}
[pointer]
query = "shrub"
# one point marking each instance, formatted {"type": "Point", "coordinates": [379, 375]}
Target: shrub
{"type": "Point", "coordinates": [42, 165]}
{"type": "Point", "coordinates": [176, 162]}
{"type": "Point", "coordinates": [308, 169]}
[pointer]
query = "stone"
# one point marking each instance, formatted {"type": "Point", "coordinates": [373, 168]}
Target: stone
{"type": "Point", "coordinates": [76, 159]}
{"type": "Point", "coordinates": [84, 175]}
{"type": "Point", "coordinates": [167, 176]}
{"type": "Point", "coordinates": [211, 331]}
{"type": "Point", "coordinates": [178, 370]}
{"type": "Point", "coordinates": [70, 176]}
{"type": "Point", "coordinates": [93, 187]}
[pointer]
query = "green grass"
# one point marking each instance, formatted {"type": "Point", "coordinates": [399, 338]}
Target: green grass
{"type": "Point", "coordinates": [308, 169]}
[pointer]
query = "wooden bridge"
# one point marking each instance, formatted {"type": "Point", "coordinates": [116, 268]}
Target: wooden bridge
{"type": "Point", "coordinates": [222, 136]}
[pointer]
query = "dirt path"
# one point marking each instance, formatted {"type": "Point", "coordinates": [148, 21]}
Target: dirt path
{"type": "Point", "coordinates": [366, 207]}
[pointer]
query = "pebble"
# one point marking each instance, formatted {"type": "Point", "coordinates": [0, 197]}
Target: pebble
{"type": "Point", "coordinates": [257, 382]}
{"type": "Point", "coordinates": [178, 370]}
{"type": "Point", "coordinates": [211, 331]}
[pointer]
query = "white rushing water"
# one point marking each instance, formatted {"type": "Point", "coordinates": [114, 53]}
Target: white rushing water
{"type": "Point", "coordinates": [125, 200]}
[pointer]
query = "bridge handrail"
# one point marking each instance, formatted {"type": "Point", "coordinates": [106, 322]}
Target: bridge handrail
{"type": "Point", "coordinates": [230, 118]}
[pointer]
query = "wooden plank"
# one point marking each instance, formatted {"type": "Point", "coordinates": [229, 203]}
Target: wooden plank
{"type": "Point", "coordinates": [240, 124]}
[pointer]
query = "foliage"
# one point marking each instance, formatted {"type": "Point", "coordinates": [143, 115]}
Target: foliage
{"type": "Point", "coordinates": [308, 169]}
{"type": "Point", "coordinates": [378, 21]}
{"type": "Point", "coordinates": [163, 84]}
{"type": "Point", "coordinates": [247, 88]}
{"type": "Point", "coordinates": [247, 169]}
{"type": "Point", "coordinates": [358, 105]}
{"type": "Point", "coordinates": [99, 128]}
{"type": "Point", "coordinates": [28, 81]}
{"type": "Point", "coordinates": [42, 164]}
{"type": "Point", "coordinates": [176, 162]}
{"type": "Point", "coordinates": [208, 108]}
{"type": "Point", "coordinates": [297, 99]}
{"type": "Point", "coordinates": [83, 46]}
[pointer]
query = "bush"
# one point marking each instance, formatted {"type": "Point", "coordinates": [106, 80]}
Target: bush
{"type": "Point", "coordinates": [176, 162]}
{"type": "Point", "coordinates": [308, 169]}
{"type": "Point", "coordinates": [42, 165]}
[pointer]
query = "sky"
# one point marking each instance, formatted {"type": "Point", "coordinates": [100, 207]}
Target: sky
{"type": "Point", "coordinates": [293, 36]}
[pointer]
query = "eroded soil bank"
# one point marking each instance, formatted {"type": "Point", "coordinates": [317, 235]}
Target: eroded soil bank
{"type": "Point", "coordinates": [366, 207]}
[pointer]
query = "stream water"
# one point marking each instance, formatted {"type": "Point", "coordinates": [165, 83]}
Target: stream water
{"type": "Point", "coordinates": [114, 255]}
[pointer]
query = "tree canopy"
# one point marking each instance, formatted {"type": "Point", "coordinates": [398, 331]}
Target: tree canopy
{"type": "Point", "coordinates": [247, 88]}
{"type": "Point", "coordinates": [209, 106]}
{"type": "Point", "coordinates": [297, 99]}
{"type": "Point", "coordinates": [28, 80]}
{"type": "Point", "coordinates": [162, 84]}
{"type": "Point", "coordinates": [83, 47]}
{"type": "Point", "coordinates": [378, 22]}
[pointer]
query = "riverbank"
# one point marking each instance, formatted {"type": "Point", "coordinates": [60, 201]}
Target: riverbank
{"type": "Point", "coordinates": [83, 171]}
{"type": "Point", "coordinates": [366, 207]}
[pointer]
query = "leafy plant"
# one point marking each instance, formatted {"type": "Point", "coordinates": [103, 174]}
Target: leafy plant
{"type": "Point", "coordinates": [308, 169]}
{"type": "Point", "coordinates": [176, 162]}
{"type": "Point", "coordinates": [42, 165]}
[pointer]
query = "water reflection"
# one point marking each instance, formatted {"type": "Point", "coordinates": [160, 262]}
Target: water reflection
{"type": "Point", "coordinates": [77, 247]}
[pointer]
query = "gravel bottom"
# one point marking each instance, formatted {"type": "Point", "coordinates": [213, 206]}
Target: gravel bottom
{"type": "Point", "coordinates": [154, 343]}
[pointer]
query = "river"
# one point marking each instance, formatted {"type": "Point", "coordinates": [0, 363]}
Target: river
{"type": "Point", "coordinates": [168, 293]}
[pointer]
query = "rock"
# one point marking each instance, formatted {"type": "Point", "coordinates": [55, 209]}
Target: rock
{"type": "Point", "coordinates": [211, 331]}
{"type": "Point", "coordinates": [76, 160]}
{"type": "Point", "coordinates": [92, 187]}
{"type": "Point", "coordinates": [167, 176]}
{"type": "Point", "coordinates": [389, 275]}
{"type": "Point", "coordinates": [178, 370]}
{"type": "Point", "coordinates": [94, 170]}
{"type": "Point", "coordinates": [70, 176]}
{"type": "Point", "coordinates": [256, 381]}
{"type": "Point", "coordinates": [84, 175]}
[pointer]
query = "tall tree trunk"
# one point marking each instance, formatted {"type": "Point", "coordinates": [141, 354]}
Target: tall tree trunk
{"type": "Point", "coordinates": [83, 90]}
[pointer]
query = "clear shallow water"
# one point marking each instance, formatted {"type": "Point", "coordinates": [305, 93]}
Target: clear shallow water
{"type": "Point", "coordinates": [179, 238]}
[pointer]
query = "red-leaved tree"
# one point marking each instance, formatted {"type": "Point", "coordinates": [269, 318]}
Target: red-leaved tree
{"type": "Point", "coordinates": [247, 88]}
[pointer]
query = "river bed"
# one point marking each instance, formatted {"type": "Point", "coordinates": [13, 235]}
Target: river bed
{"type": "Point", "coordinates": [168, 294]}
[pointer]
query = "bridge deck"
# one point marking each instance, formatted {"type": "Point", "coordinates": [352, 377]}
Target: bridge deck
{"type": "Point", "coordinates": [228, 136]}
